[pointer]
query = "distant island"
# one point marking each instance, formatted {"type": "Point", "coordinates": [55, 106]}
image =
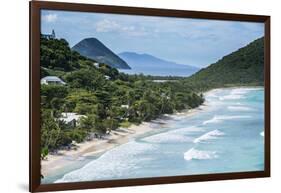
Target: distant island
{"type": "Point", "coordinates": [150, 65]}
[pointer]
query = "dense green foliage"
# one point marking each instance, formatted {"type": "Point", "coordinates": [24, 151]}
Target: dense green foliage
{"type": "Point", "coordinates": [242, 67]}
{"type": "Point", "coordinates": [56, 55]}
{"type": "Point", "coordinates": [107, 98]}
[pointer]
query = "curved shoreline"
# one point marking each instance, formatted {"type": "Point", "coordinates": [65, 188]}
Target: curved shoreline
{"type": "Point", "coordinates": [91, 148]}
{"type": "Point", "coordinates": [96, 147]}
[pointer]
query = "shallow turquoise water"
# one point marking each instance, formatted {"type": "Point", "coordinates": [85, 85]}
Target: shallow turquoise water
{"type": "Point", "coordinates": [226, 136]}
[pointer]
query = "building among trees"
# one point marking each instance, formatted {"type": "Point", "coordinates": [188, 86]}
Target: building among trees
{"type": "Point", "coordinates": [49, 36]}
{"type": "Point", "coordinates": [71, 119]}
{"type": "Point", "coordinates": [52, 80]}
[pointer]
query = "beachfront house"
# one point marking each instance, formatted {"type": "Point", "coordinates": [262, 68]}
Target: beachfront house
{"type": "Point", "coordinates": [71, 119]}
{"type": "Point", "coordinates": [52, 80]}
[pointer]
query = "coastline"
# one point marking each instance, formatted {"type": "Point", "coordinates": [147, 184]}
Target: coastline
{"type": "Point", "coordinates": [93, 147]}
{"type": "Point", "coordinates": [96, 147]}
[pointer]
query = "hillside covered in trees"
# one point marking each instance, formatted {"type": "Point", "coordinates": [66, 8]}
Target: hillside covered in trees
{"type": "Point", "coordinates": [242, 67]}
{"type": "Point", "coordinates": [105, 98]}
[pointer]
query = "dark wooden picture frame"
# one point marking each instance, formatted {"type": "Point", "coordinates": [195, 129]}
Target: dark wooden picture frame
{"type": "Point", "coordinates": [34, 178]}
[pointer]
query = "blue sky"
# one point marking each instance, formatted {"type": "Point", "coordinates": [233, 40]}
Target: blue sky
{"type": "Point", "coordinates": [197, 42]}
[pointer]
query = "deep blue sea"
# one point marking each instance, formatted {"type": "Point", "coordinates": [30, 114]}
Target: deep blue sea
{"type": "Point", "coordinates": [226, 135]}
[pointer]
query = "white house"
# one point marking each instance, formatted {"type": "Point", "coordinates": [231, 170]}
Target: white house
{"type": "Point", "coordinates": [96, 64]}
{"type": "Point", "coordinates": [52, 80]}
{"type": "Point", "coordinates": [125, 106]}
{"type": "Point", "coordinates": [49, 36]}
{"type": "Point", "coordinates": [107, 77]}
{"type": "Point", "coordinates": [71, 118]}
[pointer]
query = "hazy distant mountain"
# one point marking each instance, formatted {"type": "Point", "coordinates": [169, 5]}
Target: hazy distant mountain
{"type": "Point", "coordinates": [96, 50]}
{"type": "Point", "coordinates": [151, 65]}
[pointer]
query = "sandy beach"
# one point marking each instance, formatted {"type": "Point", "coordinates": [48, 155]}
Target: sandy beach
{"type": "Point", "coordinates": [94, 147]}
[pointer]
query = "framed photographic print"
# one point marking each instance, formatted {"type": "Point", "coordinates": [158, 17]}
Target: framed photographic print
{"type": "Point", "coordinates": [123, 96]}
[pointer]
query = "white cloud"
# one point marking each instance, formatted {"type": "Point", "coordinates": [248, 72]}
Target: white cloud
{"type": "Point", "coordinates": [107, 25]}
{"type": "Point", "coordinates": [50, 17]}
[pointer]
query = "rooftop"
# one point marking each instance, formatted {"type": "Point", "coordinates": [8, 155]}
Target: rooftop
{"type": "Point", "coordinates": [68, 117]}
{"type": "Point", "coordinates": [53, 79]}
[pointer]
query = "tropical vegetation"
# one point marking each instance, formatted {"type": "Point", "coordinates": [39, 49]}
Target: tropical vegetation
{"type": "Point", "coordinates": [109, 99]}
{"type": "Point", "coordinates": [242, 67]}
{"type": "Point", "coordinates": [106, 98]}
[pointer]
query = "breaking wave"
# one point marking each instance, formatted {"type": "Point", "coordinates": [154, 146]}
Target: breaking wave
{"type": "Point", "coordinates": [199, 155]}
{"type": "Point", "coordinates": [118, 162]}
{"type": "Point", "coordinates": [237, 93]}
{"type": "Point", "coordinates": [209, 136]}
{"type": "Point", "coordinates": [173, 136]}
{"type": "Point", "coordinates": [220, 118]}
{"type": "Point", "coordinates": [239, 108]}
{"type": "Point", "coordinates": [167, 138]}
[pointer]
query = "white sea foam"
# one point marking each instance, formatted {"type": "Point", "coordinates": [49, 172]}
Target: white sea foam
{"type": "Point", "coordinates": [240, 91]}
{"type": "Point", "coordinates": [237, 93]}
{"type": "Point", "coordinates": [173, 136]}
{"type": "Point", "coordinates": [186, 130]}
{"type": "Point", "coordinates": [239, 108]}
{"type": "Point", "coordinates": [212, 98]}
{"type": "Point", "coordinates": [167, 138]}
{"type": "Point", "coordinates": [262, 133]}
{"type": "Point", "coordinates": [115, 163]}
{"type": "Point", "coordinates": [213, 93]}
{"type": "Point", "coordinates": [209, 136]}
{"type": "Point", "coordinates": [199, 155]}
{"type": "Point", "coordinates": [215, 119]}
{"type": "Point", "coordinates": [231, 97]}
{"type": "Point", "coordinates": [178, 116]}
{"type": "Point", "coordinates": [220, 118]}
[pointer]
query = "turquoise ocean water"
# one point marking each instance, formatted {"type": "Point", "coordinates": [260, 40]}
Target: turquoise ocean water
{"type": "Point", "coordinates": [225, 136]}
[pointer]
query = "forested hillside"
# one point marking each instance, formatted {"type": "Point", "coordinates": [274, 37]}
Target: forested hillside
{"type": "Point", "coordinates": [107, 99]}
{"type": "Point", "coordinates": [242, 67]}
